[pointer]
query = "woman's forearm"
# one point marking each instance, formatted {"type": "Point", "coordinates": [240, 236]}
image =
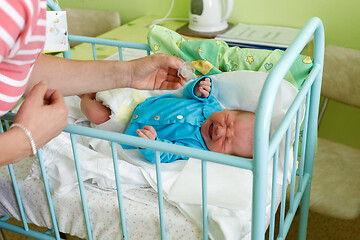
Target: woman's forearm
{"type": "Point", "coordinates": [74, 77]}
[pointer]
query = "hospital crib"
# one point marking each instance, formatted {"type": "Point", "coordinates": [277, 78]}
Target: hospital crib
{"type": "Point", "coordinates": [265, 150]}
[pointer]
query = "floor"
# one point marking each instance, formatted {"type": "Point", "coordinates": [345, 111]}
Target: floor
{"type": "Point", "coordinates": [320, 227]}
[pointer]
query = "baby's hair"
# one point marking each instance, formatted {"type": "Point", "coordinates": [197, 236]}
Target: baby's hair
{"type": "Point", "coordinates": [239, 110]}
{"type": "Point", "coordinates": [250, 136]}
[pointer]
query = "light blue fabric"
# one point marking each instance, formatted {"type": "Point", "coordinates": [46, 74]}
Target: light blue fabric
{"type": "Point", "coordinates": [176, 120]}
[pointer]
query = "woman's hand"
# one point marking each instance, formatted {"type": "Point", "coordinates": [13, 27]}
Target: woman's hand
{"type": "Point", "coordinates": [158, 71]}
{"type": "Point", "coordinates": [43, 113]}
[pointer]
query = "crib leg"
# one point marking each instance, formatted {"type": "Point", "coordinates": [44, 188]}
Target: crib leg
{"type": "Point", "coordinates": [304, 213]}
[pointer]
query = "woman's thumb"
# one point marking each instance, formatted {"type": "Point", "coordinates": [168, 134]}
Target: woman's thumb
{"type": "Point", "coordinates": [38, 92]}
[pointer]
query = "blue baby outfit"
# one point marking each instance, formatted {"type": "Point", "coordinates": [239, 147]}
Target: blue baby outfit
{"type": "Point", "coordinates": [176, 120]}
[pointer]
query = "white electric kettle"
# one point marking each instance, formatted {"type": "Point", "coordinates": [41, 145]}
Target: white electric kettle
{"type": "Point", "coordinates": [209, 15]}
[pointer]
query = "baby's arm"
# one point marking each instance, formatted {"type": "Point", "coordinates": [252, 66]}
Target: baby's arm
{"type": "Point", "coordinates": [147, 132]}
{"type": "Point", "coordinates": [95, 111]}
{"type": "Point", "coordinates": [203, 88]}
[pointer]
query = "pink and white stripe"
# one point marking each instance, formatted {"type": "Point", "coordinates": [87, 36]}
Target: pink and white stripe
{"type": "Point", "coordinates": [22, 38]}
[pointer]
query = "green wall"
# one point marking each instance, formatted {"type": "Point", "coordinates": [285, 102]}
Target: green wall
{"type": "Point", "coordinates": [341, 20]}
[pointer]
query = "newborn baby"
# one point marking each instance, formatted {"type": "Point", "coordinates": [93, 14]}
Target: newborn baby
{"type": "Point", "coordinates": [196, 120]}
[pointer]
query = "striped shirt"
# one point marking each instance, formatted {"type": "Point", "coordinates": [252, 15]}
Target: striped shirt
{"type": "Point", "coordinates": [22, 38]}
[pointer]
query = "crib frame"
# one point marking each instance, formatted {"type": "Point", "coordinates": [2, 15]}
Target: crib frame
{"type": "Point", "coordinates": [265, 149]}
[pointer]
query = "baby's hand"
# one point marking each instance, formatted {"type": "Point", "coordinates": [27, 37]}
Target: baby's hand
{"type": "Point", "coordinates": [203, 88]}
{"type": "Point", "coordinates": [147, 132]}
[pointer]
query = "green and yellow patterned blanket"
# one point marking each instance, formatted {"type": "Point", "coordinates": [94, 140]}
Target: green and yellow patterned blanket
{"type": "Point", "coordinates": [213, 56]}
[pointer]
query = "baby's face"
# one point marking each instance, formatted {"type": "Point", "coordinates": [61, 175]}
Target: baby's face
{"type": "Point", "coordinates": [230, 132]}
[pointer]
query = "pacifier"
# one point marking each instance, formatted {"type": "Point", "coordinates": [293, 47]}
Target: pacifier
{"type": "Point", "coordinates": [186, 71]}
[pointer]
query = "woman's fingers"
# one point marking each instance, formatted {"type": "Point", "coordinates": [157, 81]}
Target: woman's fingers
{"type": "Point", "coordinates": [38, 93]}
{"type": "Point", "coordinates": [44, 113]}
{"type": "Point", "coordinates": [55, 98]}
{"type": "Point", "coordinates": [158, 71]}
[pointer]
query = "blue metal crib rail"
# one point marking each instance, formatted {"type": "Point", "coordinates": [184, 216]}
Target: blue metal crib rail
{"type": "Point", "coordinates": [265, 149]}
